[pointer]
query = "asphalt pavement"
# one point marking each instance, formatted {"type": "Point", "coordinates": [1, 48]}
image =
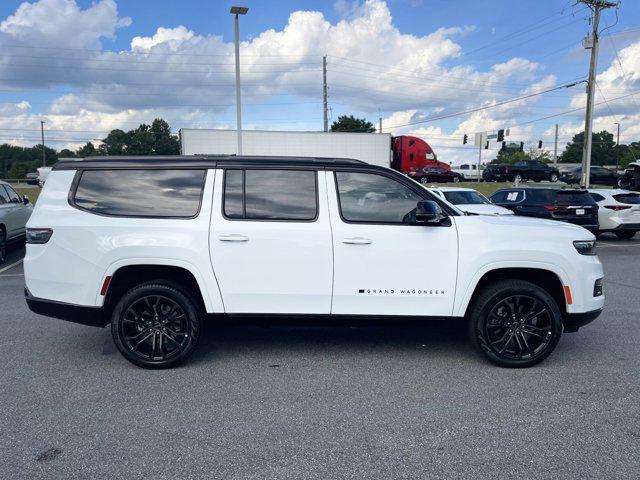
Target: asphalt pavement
{"type": "Point", "coordinates": [312, 401]}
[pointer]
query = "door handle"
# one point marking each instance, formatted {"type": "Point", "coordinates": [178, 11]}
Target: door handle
{"type": "Point", "coordinates": [233, 237]}
{"type": "Point", "coordinates": [357, 241]}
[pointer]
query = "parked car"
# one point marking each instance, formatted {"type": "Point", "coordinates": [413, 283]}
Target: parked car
{"type": "Point", "coordinates": [31, 178]}
{"type": "Point", "coordinates": [470, 201]}
{"type": "Point", "coordinates": [619, 211]}
{"type": "Point", "coordinates": [433, 174]}
{"type": "Point", "coordinates": [566, 205]}
{"type": "Point", "coordinates": [630, 179]}
{"type": "Point", "coordinates": [153, 245]}
{"type": "Point", "coordinates": [469, 170]}
{"type": "Point", "coordinates": [598, 176]}
{"type": "Point", "coordinates": [520, 171]}
{"type": "Point", "coordinates": [43, 173]}
{"type": "Point", "coordinates": [15, 210]}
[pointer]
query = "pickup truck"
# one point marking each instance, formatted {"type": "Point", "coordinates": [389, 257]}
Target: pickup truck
{"type": "Point", "coordinates": [157, 246]}
{"type": "Point", "coordinates": [519, 171]}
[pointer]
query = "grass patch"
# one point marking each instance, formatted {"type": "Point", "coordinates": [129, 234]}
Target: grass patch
{"type": "Point", "coordinates": [487, 188]}
{"type": "Point", "coordinates": [31, 192]}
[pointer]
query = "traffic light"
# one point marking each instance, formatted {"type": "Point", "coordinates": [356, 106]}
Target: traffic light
{"type": "Point", "coordinates": [465, 139]}
{"type": "Point", "coordinates": [522, 146]}
{"type": "Point", "coordinates": [539, 144]}
{"type": "Point", "coordinates": [504, 146]}
{"type": "Point", "coordinates": [500, 135]}
{"type": "Point", "coordinates": [486, 146]}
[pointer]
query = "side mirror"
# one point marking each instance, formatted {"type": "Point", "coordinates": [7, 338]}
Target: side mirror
{"type": "Point", "coordinates": [25, 199]}
{"type": "Point", "coordinates": [429, 212]}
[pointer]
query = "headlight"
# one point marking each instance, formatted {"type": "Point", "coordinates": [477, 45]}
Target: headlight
{"type": "Point", "coordinates": [585, 247]}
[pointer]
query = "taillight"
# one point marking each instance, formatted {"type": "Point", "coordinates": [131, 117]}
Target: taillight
{"type": "Point", "coordinates": [555, 208]}
{"type": "Point", "coordinates": [506, 169]}
{"type": "Point", "coordinates": [617, 207]}
{"type": "Point", "coordinates": [39, 235]}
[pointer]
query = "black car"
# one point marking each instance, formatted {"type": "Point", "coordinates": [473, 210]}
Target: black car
{"type": "Point", "coordinates": [434, 174]}
{"type": "Point", "coordinates": [598, 176]}
{"type": "Point", "coordinates": [566, 205]}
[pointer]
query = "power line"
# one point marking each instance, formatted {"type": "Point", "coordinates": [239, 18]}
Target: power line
{"type": "Point", "coordinates": [504, 102]}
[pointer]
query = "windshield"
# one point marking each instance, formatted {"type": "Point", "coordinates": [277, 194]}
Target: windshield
{"type": "Point", "coordinates": [466, 198]}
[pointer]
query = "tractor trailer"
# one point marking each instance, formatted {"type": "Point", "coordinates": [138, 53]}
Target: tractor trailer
{"type": "Point", "coordinates": [402, 153]}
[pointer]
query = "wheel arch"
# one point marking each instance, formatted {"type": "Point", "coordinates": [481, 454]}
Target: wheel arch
{"type": "Point", "coordinates": [545, 278]}
{"type": "Point", "coordinates": [126, 276]}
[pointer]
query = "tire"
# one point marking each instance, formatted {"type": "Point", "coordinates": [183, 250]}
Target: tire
{"type": "Point", "coordinates": [156, 325]}
{"type": "Point", "coordinates": [456, 179]}
{"type": "Point", "coordinates": [3, 246]}
{"type": "Point", "coordinates": [517, 178]}
{"type": "Point", "coordinates": [424, 181]}
{"type": "Point", "coordinates": [553, 178]}
{"type": "Point", "coordinates": [515, 342]}
{"type": "Point", "coordinates": [625, 234]}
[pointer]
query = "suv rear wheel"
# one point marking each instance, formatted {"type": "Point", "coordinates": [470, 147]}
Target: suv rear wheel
{"type": "Point", "coordinates": [515, 323]}
{"type": "Point", "coordinates": [156, 325]}
{"type": "Point", "coordinates": [553, 177]}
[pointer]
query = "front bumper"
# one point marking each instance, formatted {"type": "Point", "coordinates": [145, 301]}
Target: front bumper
{"type": "Point", "coordinates": [573, 321]}
{"type": "Point", "coordinates": [85, 315]}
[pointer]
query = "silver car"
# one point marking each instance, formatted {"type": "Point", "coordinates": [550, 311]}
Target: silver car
{"type": "Point", "coordinates": [15, 210]}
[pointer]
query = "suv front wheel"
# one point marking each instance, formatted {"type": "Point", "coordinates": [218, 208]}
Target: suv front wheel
{"type": "Point", "coordinates": [515, 323]}
{"type": "Point", "coordinates": [156, 325]}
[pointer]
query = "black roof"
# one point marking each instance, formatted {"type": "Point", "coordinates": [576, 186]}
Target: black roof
{"type": "Point", "coordinates": [202, 161]}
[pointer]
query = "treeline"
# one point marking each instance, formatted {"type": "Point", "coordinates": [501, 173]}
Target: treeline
{"type": "Point", "coordinates": [604, 151]}
{"type": "Point", "coordinates": [154, 139]}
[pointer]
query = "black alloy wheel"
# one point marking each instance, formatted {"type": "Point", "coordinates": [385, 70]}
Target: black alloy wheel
{"type": "Point", "coordinates": [515, 323]}
{"type": "Point", "coordinates": [625, 234]}
{"type": "Point", "coordinates": [156, 325]}
{"type": "Point", "coordinates": [3, 246]}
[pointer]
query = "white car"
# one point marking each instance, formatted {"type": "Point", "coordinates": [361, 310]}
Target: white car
{"type": "Point", "coordinates": [618, 212]}
{"type": "Point", "coordinates": [15, 210]}
{"type": "Point", "coordinates": [154, 245]}
{"type": "Point", "coordinates": [470, 201]}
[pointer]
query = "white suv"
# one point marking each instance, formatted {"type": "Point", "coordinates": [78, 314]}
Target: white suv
{"type": "Point", "coordinates": [619, 212]}
{"type": "Point", "coordinates": [14, 213]}
{"type": "Point", "coordinates": [155, 245]}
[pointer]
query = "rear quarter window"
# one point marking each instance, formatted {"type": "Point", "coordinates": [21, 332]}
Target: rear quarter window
{"type": "Point", "coordinates": [574, 198]}
{"type": "Point", "coordinates": [140, 193]}
{"type": "Point", "coordinates": [628, 198]}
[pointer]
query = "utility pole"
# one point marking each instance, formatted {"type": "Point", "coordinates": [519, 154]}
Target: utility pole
{"type": "Point", "coordinates": [379, 122]}
{"type": "Point", "coordinates": [236, 12]}
{"type": "Point", "coordinates": [324, 94]}
{"type": "Point", "coordinates": [555, 147]}
{"type": "Point", "coordinates": [44, 158]}
{"type": "Point", "coordinates": [618, 149]}
{"type": "Point", "coordinates": [596, 6]}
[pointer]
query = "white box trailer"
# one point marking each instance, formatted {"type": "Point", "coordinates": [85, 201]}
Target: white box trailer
{"type": "Point", "coordinates": [373, 148]}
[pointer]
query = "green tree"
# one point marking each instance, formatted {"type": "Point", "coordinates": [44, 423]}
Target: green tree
{"type": "Point", "coordinates": [140, 141]}
{"type": "Point", "coordinates": [163, 142]}
{"type": "Point", "coordinates": [19, 170]}
{"type": "Point", "coordinates": [510, 156]}
{"type": "Point", "coordinates": [603, 149]}
{"type": "Point", "coordinates": [352, 124]}
{"type": "Point", "coordinates": [89, 150]}
{"type": "Point", "coordinates": [115, 143]}
{"type": "Point", "coordinates": [66, 153]}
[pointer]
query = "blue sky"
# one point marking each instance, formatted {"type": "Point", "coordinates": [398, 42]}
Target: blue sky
{"type": "Point", "coordinates": [112, 64]}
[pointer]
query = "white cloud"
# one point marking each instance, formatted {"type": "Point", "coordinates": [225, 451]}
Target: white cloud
{"type": "Point", "coordinates": [170, 36]}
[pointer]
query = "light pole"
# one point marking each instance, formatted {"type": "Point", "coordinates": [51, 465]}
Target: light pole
{"type": "Point", "coordinates": [618, 148]}
{"type": "Point", "coordinates": [44, 157]}
{"type": "Point", "coordinates": [237, 11]}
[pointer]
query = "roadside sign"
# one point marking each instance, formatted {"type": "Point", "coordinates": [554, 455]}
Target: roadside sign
{"type": "Point", "coordinates": [480, 139]}
{"type": "Point", "coordinates": [492, 136]}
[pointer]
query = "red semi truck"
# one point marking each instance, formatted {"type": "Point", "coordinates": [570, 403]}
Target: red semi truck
{"type": "Point", "coordinates": [403, 153]}
{"type": "Point", "coordinates": [413, 153]}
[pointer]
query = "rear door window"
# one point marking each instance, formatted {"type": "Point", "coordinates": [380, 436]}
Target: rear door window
{"type": "Point", "coordinates": [597, 197]}
{"type": "Point", "coordinates": [271, 195]}
{"type": "Point", "coordinates": [4, 196]}
{"type": "Point", "coordinates": [140, 193]}
{"type": "Point", "coordinates": [508, 196]}
{"type": "Point", "coordinates": [13, 195]}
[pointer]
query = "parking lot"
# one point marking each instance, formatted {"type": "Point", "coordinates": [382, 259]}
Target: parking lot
{"type": "Point", "coordinates": [282, 400]}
